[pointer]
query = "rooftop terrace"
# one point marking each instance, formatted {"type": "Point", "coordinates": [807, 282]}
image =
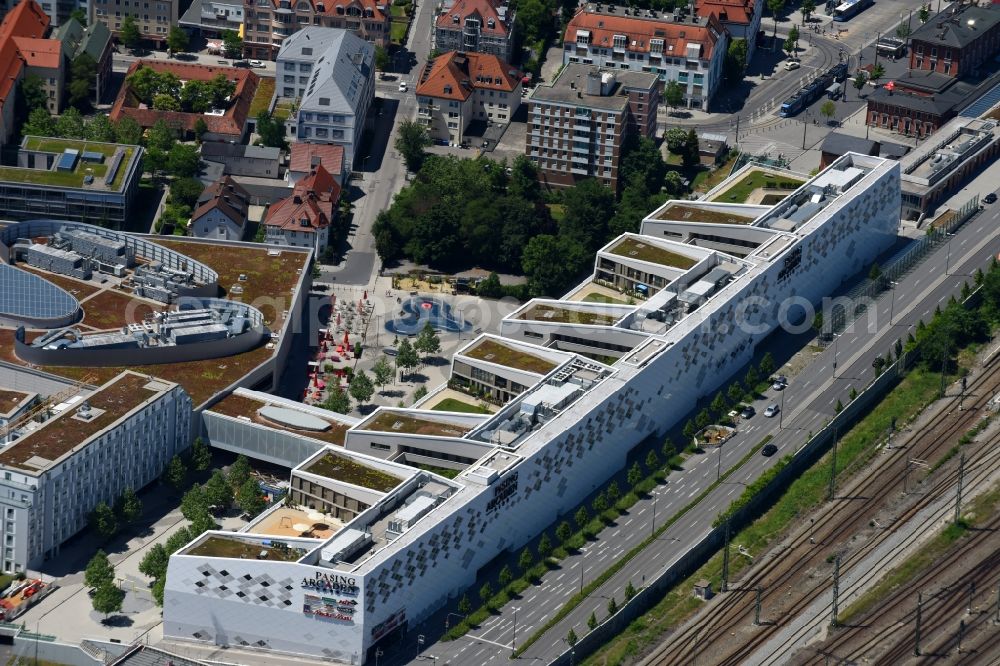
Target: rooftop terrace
{"type": "Point", "coordinates": [9, 400]}
{"type": "Point", "coordinates": [243, 406]}
{"type": "Point", "coordinates": [682, 213]}
{"type": "Point", "coordinates": [82, 167]}
{"type": "Point", "coordinates": [61, 434]}
{"type": "Point", "coordinates": [412, 424]}
{"type": "Point", "coordinates": [292, 522]}
{"type": "Point", "coordinates": [634, 248]}
{"type": "Point", "coordinates": [342, 468]}
{"type": "Point", "coordinates": [493, 351]}
{"type": "Point", "coordinates": [757, 179]}
{"type": "Point", "coordinates": [226, 546]}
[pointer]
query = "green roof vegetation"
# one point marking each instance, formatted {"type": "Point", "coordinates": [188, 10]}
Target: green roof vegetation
{"type": "Point", "coordinates": [456, 405]}
{"type": "Point", "coordinates": [56, 145]}
{"type": "Point", "coordinates": [740, 191]}
{"type": "Point", "coordinates": [595, 297]}
{"type": "Point", "coordinates": [682, 213]}
{"type": "Point", "coordinates": [223, 546]}
{"type": "Point", "coordinates": [495, 352]}
{"type": "Point", "coordinates": [241, 406]}
{"type": "Point", "coordinates": [413, 425]}
{"type": "Point", "coordinates": [70, 178]}
{"type": "Point", "coordinates": [344, 469]}
{"type": "Point", "coordinates": [634, 248]}
{"type": "Point", "coordinates": [262, 98]}
{"type": "Point", "coordinates": [561, 315]}
{"type": "Point", "coordinates": [446, 472]}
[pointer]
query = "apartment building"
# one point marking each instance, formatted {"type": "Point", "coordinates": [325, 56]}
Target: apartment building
{"type": "Point", "coordinates": [154, 18]}
{"type": "Point", "coordinates": [957, 42]}
{"type": "Point", "coordinates": [676, 47]}
{"type": "Point", "coordinates": [740, 18]}
{"type": "Point", "coordinates": [211, 18]}
{"type": "Point", "coordinates": [578, 125]}
{"type": "Point", "coordinates": [26, 21]}
{"type": "Point", "coordinates": [304, 218]}
{"type": "Point", "coordinates": [456, 89]}
{"type": "Point", "coordinates": [269, 22]}
{"type": "Point", "coordinates": [95, 446]}
{"type": "Point", "coordinates": [221, 211]}
{"type": "Point", "coordinates": [94, 40]}
{"type": "Point", "coordinates": [330, 72]}
{"type": "Point", "coordinates": [476, 26]}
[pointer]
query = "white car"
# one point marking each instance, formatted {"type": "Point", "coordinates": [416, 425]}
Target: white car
{"type": "Point", "coordinates": [791, 64]}
{"type": "Point", "coordinates": [257, 64]}
{"type": "Point", "coordinates": [771, 411]}
{"type": "Point", "coordinates": [402, 86]}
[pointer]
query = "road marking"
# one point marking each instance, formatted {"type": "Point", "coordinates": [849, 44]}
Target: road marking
{"type": "Point", "coordinates": [692, 492]}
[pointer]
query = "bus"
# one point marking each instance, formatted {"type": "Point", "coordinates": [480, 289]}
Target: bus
{"type": "Point", "coordinates": [849, 9]}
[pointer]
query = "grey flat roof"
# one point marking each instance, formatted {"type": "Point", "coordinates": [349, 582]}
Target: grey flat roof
{"type": "Point", "coordinates": [576, 73]}
{"type": "Point", "coordinates": [841, 144]}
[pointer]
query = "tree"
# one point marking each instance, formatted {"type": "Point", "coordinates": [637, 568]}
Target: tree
{"type": "Point", "coordinates": [70, 125]}
{"type": "Point", "coordinates": [194, 502]}
{"type": "Point", "coordinates": [39, 123]}
{"type": "Point", "coordinates": [202, 522]}
{"type": "Point", "coordinates": [751, 379]}
{"type": "Point", "coordinates": [807, 8]}
{"type": "Point", "coordinates": [200, 128]}
{"type": "Point", "coordinates": [859, 81]}
{"type": "Point", "coordinates": [689, 430]}
{"type": "Point", "coordinates": [691, 148]}
{"type": "Point", "coordinates": [874, 273]}
{"type": "Point", "coordinates": [525, 560]}
{"type": "Point", "coordinates": [612, 606]}
{"type": "Point", "coordinates": [129, 506]}
{"type": "Point", "coordinates": [828, 109]}
{"type": "Point", "coordinates": [361, 387]}
{"type": "Point", "coordinates": [411, 141]}
{"type": "Point", "coordinates": [160, 136]}
{"type": "Point", "coordinates": [523, 180]}
{"type": "Point", "coordinates": [766, 365]}
{"type": "Point", "coordinates": [544, 546]}
{"type": "Point", "coordinates": [553, 262]}
{"type": "Point", "coordinates": [201, 456]}
{"type": "Point", "coordinates": [464, 607]}
{"type": "Point", "coordinates": [217, 491]}
{"type": "Point", "coordinates": [186, 191]}
{"type": "Point", "coordinates": [381, 58]}
{"type": "Point", "coordinates": [103, 520]}
{"type": "Point", "coordinates": [239, 472]}
{"type": "Point", "coordinates": [338, 401]}
{"type": "Point", "coordinates": [80, 16]}
{"type": "Point", "coordinates": [876, 73]}
{"type": "Point", "coordinates": [99, 571]}
{"type": "Point", "coordinates": [581, 517]}
{"type": "Point", "coordinates": [129, 33]}
{"type": "Point", "coordinates": [178, 540]}
{"type": "Point", "coordinates": [154, 562]}
{"type": "Point", "coordinates": [428, 341]}
{"type": "Point", "coordinates": [702, 418]}
{"type": "Point", "coordinates": [629, 591]}
{"type": "Point", "coordinates": [100, 128]}
{"type": "Point", "coordinates": [571, 638]}
{"type": "Point", "coordinates": [382, 371]}
{"type": "Point", "coordinates": [564, 532]}
{"type": "Point", "coordinates": [33, 94]}
{"type": "Point", "coordinates": [505, 577]}
{"type": "Point", "coordinates": [592, 621]}
{"type": "Point", "coordinates": [271, 130]}
{"type": "Point", "coordinates": [735, 393]}
{"type": "Point", "coordinates": [183, 160]}
{"type": "Point", "coordinates": [613, 493]}
{"type": "Point", "coordinates": [788, 46]}
{"type": "Point", "coordinates": [924, 14]}
{"type": "Point", "coordinates": [652, 461]}
{"type": "Point", "coordinates": [839, 407]}
{"type": "Point", "coordinates": [108, 598]}
{"type": "Point", "coordinates": [232, 44]}
{"type": "Point", "coordinates": [718, 404]}
{"type": "Point", "coordinates": [634, 475]}
{"type": "Point", "coordinates": [249, 498]}
{"type": "Point", "coordinates": [600, 503]}
{"type": "Point", "coordinates": [157, 589]}
{"type": "Point", "coordinates": [486, 593]}
{"type": "Point", "coordinates": [775, 6]}
{"type": "Point", "coordinates": [735, 62]}
{"type": "Point", "coordinates": [673, 95]}
{"type": "Point", "coordinates": [177, 40]}
{"type": "Point", "coordinates": [903, 29]}
{"type": "Point", "coordinates": [128, 131]}
{"type": "Point", "coordinates": [176, 473]}
{"type": "Point", "coordinates": [675, 138]}
{"type": "Point", "coordinates": [406, 356]}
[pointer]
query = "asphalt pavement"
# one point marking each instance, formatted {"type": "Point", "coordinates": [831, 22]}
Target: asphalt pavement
{"type": "Point", "coordinates": [806, 404]}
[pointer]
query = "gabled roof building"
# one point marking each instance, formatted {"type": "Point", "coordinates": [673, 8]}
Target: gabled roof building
{"type": "Point", "coordinates": [304, 219]}
{"type": "Point", "coordinates": [331, 72]}
{"type": "Point", "coordinates": [740, 18]}
{"type": "Point", "coordinates": [457, 88]}
{"type": "Point", "coordinates": [95, 41]}
{"type": "Point", "coordinates": [479, 26]}
{"type": "Point", "coordinates": [25, 21]}
{"type": "Point", "coordinates": [271, 22]}
{"type": "Point", "coordinates": [221, 212]}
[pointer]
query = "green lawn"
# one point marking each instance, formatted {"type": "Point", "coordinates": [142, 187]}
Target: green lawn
{"type": "Point", "coordinates": [51, 145]}
{"type": "Point", "coordinates": [398, 11]}
{"type": "Point", "coordinates": [446, 472]}
{"type": "Point", "coordinates": [557, 211]}
{"type": "Point", "coordinates": [397, 31]}
{"type": "Point", "coordinates": [754, 180]}
{"type": "Point", "coordinates": [453, 405]}
{"type": "Point", "coordinates": [262, 98]}
{"type": "Point", "coordinates": [601, 298]}
{"type": "Point", "coordinates": [41, 177]}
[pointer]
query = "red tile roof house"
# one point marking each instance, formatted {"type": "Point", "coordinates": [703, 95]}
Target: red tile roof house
{"type": "Point", "coordinates": [473, 86]}
{"type": "Point", "coordinates": [231, 125]}
{"type": "Point", "coordinates": [307, 156]}
{"type": "Point", "coordinates": [740, 18]}
{"type": "Point", "coordinates": [221, 213]}
{"type": "Point", "coordinates": [689, 50]}
{"type": "Point", "coordinates": [304, 218]}
{"type": "Point", "coordinates": [482, 26]}
{"type": "Point", "coordinates": [26, 21]}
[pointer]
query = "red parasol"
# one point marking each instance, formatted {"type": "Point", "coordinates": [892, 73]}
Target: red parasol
{"type": "Point", "coordinates": [366, 295]}
{"type": "Point", "coordinates": [347, 339]}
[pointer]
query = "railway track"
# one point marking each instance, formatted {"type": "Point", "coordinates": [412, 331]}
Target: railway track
{"type": "Point", "coordinates": [940, 612]}
{"type": "Point", "coordinates": [867, 494]}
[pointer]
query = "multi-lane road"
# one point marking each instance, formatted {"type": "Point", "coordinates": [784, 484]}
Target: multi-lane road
{"type": "Point", "coordinates": [809, 401]}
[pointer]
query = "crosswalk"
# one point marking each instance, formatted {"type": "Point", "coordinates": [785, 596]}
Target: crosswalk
{"type": "Point", "coordinates": [765, 145]}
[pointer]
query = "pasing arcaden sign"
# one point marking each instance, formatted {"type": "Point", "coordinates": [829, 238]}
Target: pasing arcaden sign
{"type": "Point", "coordinates": [331, 583]}
{"type": "Point", "coordinates": [502, 492]}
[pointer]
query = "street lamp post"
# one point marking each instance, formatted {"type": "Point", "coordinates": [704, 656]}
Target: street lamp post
{"type": "Point", "coordinates": [781, 410]}
{"type": "Point", "coordinates": [718, 468]}
{"type": "Point", "coordinates": [892, 304]}
{"type": "Point", "coordinates": [513, 638]}
{"type": "Point", "coordinates": [652, 529]}
{"type": "Point", "coordinates": [836, 345]}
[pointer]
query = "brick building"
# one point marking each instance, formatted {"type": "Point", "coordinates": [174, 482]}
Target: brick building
{"type": "Point", "coordinates": [958, 42]}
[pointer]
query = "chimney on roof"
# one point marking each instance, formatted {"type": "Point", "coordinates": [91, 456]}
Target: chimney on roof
{"type": "Point", "coordinates": [297, 199]}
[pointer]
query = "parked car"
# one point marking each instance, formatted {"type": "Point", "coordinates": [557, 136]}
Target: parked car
{"type": "Point", "coordinates": [772, 410]}
{"type": "Point", "coordinates": [769, 450]}
{"type": "Point", "coordinates": [747, 412]}
{"type": "Point", "coordinates": [402, 86]}
{"type": "Point", "coordinates": [779, 383]}
{"type": "Point", "coordinates": [790, 65]}
{"type": "Point", "coordinates": [990, 198]}
{"type": "Point", "coordinates": [257, 64]}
